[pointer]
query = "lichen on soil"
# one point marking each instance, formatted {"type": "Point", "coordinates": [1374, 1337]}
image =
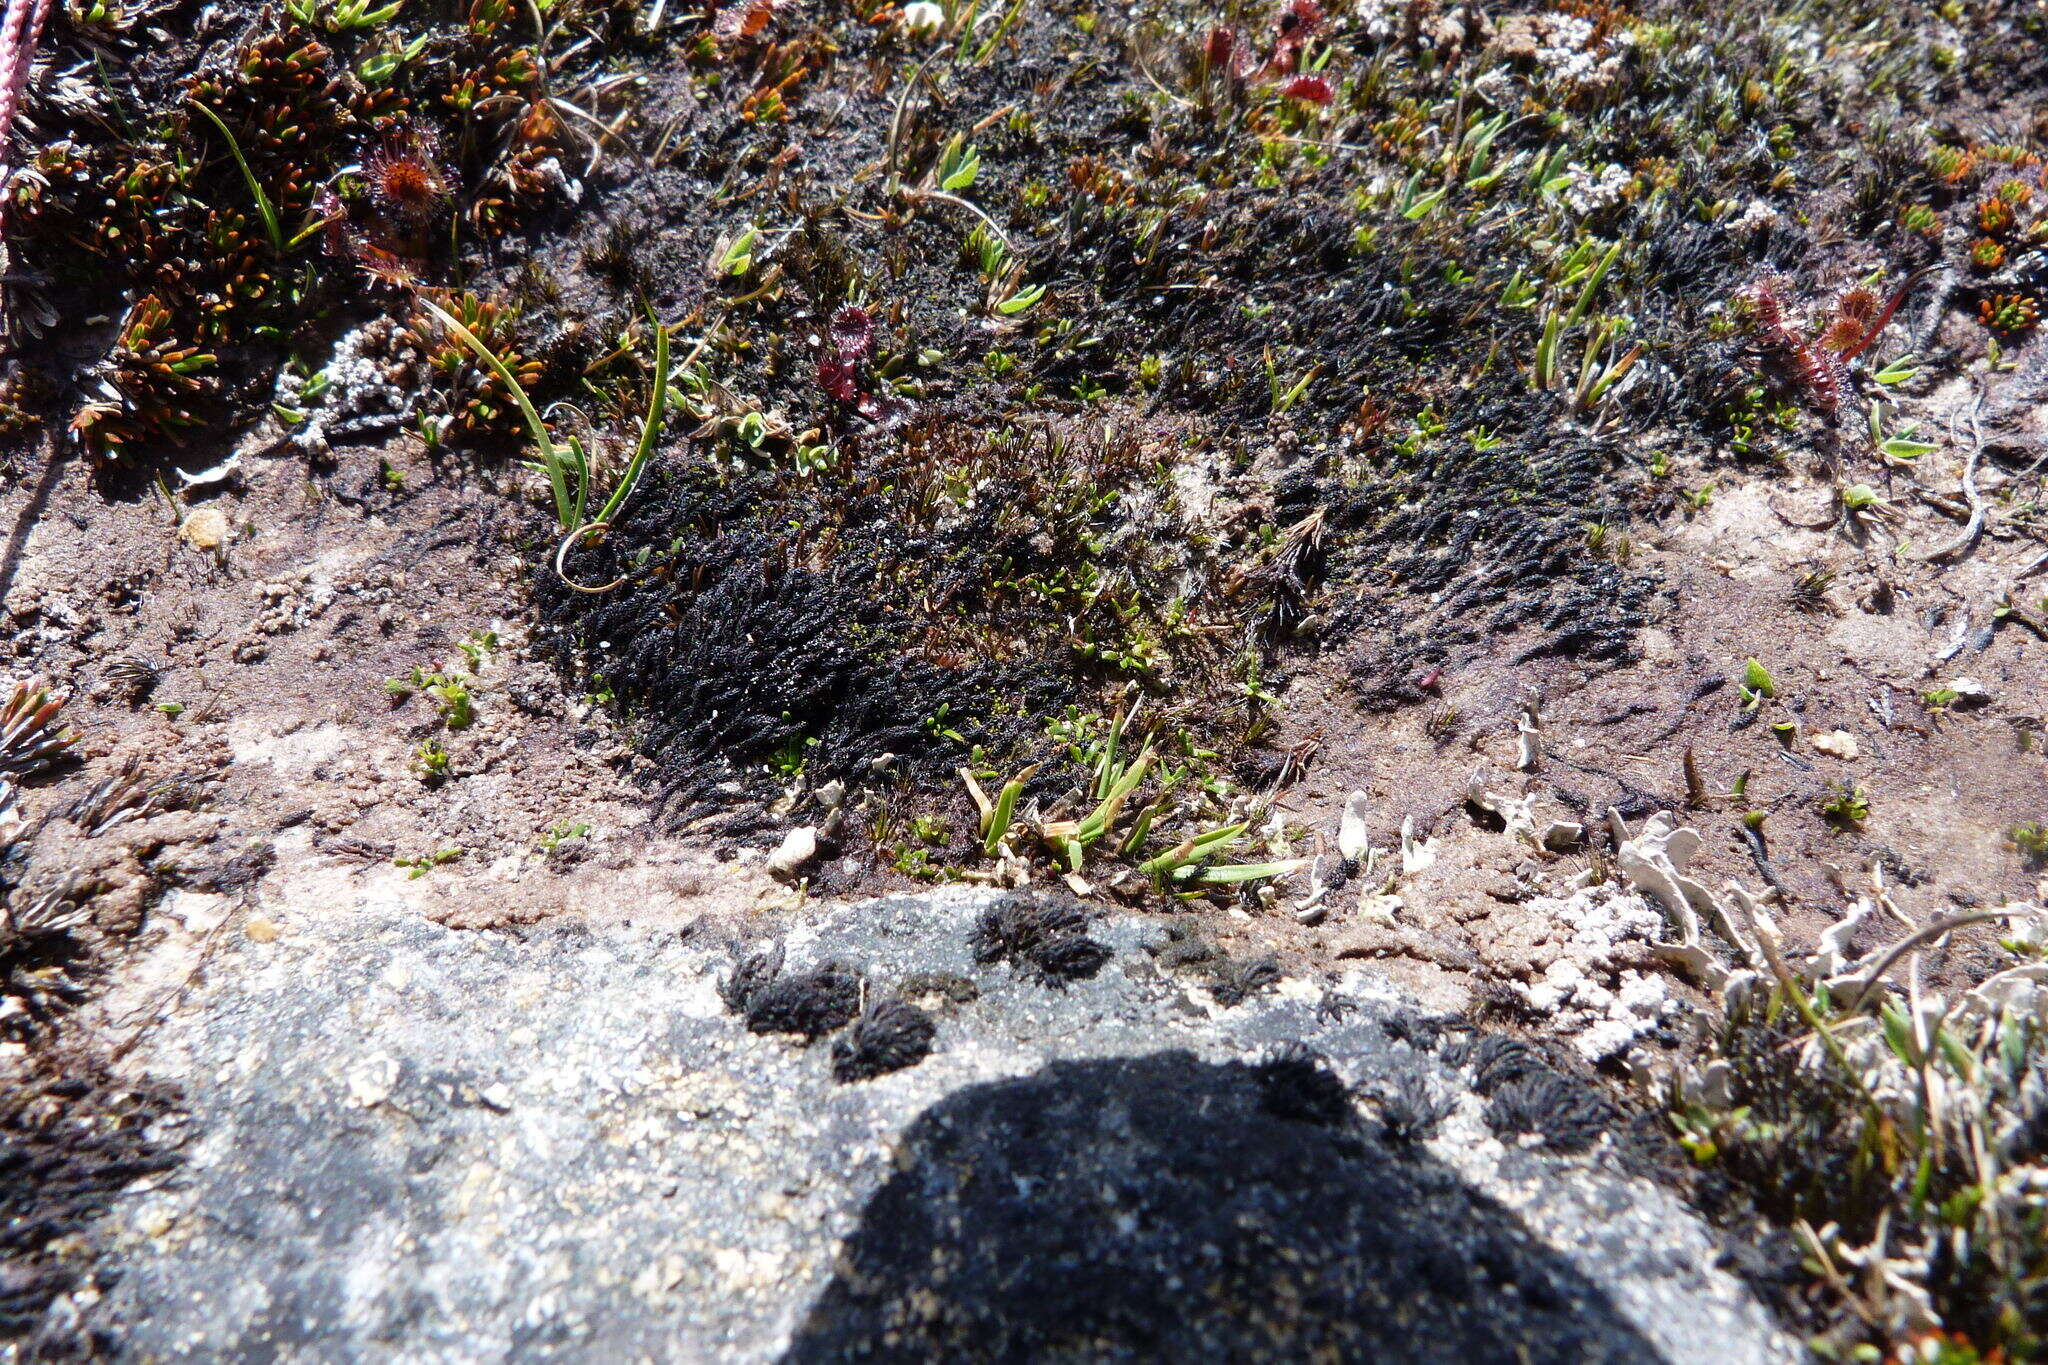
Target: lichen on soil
{"type": "Point", "coordinates": [1355, 482]}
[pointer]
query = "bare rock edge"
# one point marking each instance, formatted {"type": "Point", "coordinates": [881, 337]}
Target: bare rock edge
{"type": "Point", "coordinates": [412, 1142]}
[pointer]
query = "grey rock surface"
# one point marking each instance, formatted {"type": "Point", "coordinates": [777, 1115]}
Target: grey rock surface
{"type": "Point", "coordinates": [414, 1143]}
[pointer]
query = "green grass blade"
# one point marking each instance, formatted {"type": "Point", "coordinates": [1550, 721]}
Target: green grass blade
{"type": "Point", "coordinates": [1103, 816]}
{"type": "Point", "coordinates": [271, 227]}
{"type": "Point", "coordinates": [1248, 872]}
{"type": "Point", "coordinates": [1546, 351]}
{"type": "Point", "coordinates": [1217, 838]}
{"type": "Point", "coordinates": [1592, 286]}
{"type": "Point", "coordinates": [1191, 850]}
{"type": "Point", "coordinates": [1105, 767]}
{"type": "Point", "coordinates": [1136, 838]}
{"type": "Point", "coordinates": [551, 455]}
{"type": "Point", "coordinates": [999, 820]}
{"type": "Point", "coordinates": [650, 430]}
{"type": "Point", "coordinates": [1002, 29]}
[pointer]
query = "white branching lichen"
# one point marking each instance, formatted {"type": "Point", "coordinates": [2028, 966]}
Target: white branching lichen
{"type": "Point", "coordinates": [1518, 813]}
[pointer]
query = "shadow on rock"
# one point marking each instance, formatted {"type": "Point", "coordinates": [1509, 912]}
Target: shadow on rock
{"type": "Point", "coordinates": [1164, 1208]}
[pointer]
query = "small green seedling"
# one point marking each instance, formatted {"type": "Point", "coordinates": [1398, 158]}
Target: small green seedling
{"type": "Point", "coordinates": [1757, 685]}
{"type": "Point", "coordinates": [1939, 699]}
{"type": "Point", "coordinates": [449, 691]}
{"type": "Point", "coordinates": [341, 16]}
{"type": "Point", "coordinates": [788, 762]}
{"type": "Point", "coordinates": [1848, 805]}
{"type": "Point", "coordinates": [479, 643]}
{"type": "Point", "coordinates": [1286, 396]}
{"type": "Point", "coordinates": [426, 862]}
{"type": "Point", "coordinates": [430, 761]}
{"type": "Point", "coordinates": [958, 166]}
{"type": "Point", "coordinates": [552, 839]}
{"type": "Point", "coordinates": [737, 257]}
{"type": "Point", "coordinates": [380, 67]}
{"type": "Point", "coordinates": [1020, 301]}
{"type": "Point", "coordinates": [1899, 445]}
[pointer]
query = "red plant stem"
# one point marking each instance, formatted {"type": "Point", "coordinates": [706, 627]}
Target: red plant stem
{"type": "Point", "coordinates": [1883, 319]}
{"type": "Point", "coordinates": [20, 30]}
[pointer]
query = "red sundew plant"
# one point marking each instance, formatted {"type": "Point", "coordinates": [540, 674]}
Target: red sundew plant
{"type": "Point", "coordinates": [836, 377]}
{"type": "Point", "coordinates": [344, 241]}
{"type": "Point", "coordinates": [406, 185]}
{"type": "Point", "coordinates": [853, 332]}
{"type": "Point", "coordinates": [1219, 49]}
{"type": "Point", "coordinates": [404, 176]}
{"type": "Point", "coordinates": [1312, 89]}
{"type": "Point", "coordinates": [1299, 22]}
{"type": "Point", "coordinates": [1224, 53]}
{"type": "Point", "coordinates": [1818, 358]}
{"type": "Point", "coordinates": [847, 341]}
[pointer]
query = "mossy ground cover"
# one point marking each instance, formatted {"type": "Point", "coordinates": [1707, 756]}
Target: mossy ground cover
{"type": "Point", "coordinates": [1040, 365]}
{"type": "Point", "coordinates": [1196, 349]}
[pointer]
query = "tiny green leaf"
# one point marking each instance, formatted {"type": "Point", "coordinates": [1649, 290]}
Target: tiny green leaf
{"type": "Point", "coordinates": [961, 170]}
{"type": "Point", "coordinates": [1426, 205]}
{"type": "Point", "coordinates": [1021, 300]}
{"type": "Point", "coordinates": [1248, 872]}
{"type": "Point", "coordinates": [738, 258]}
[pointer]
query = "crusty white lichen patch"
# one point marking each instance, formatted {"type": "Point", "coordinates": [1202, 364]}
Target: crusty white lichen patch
{"type": "Point", "coordinates": [1597, 989]}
